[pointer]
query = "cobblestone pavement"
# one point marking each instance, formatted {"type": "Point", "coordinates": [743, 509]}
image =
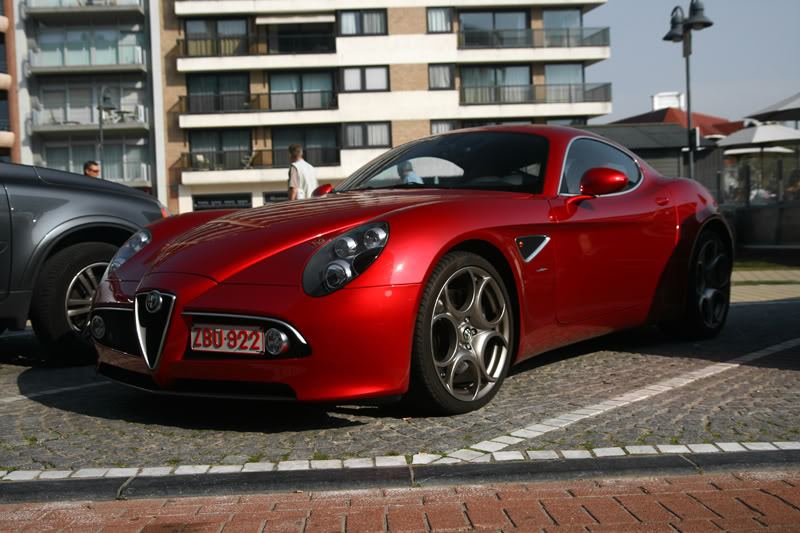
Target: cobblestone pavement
{"type": "Point", "coordinates": [67, 418]}
{"type": "Point", "coordinates": [762, 501]}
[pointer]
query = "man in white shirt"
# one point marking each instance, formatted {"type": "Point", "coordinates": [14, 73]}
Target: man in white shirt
{"type": "Point", "coordinates": [302, 176]}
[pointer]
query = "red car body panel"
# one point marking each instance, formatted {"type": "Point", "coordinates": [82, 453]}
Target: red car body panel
{"type": "Point", "coordinates": [612, 262]}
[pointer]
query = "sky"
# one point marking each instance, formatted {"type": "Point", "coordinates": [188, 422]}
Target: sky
{"type": "Point", "coordinates": [748, 60]}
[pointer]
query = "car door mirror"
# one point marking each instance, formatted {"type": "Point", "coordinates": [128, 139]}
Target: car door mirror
{"type": "Point", "coordinates": [601, 180]}
{"type": "Point", "coordinates": [322, 190]}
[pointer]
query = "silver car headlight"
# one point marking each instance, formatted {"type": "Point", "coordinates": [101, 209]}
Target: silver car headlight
{"type": "Point", "coordinates": [342, 259]}
{"type": "Point", "coordinates": [139, 240]}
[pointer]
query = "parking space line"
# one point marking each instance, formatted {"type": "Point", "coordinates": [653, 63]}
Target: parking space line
{"type": "Point", "coordinates": [18, 397]}
{"type": "Point", "coordinates": [566, 419]}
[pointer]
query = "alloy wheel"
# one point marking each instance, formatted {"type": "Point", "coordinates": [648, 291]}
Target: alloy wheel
{"type": "Point", "coordinates": [712, 283]}
{"type": "Point", "coordinates": [470, 333]}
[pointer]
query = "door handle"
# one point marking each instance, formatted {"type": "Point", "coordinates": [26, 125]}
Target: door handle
{"type": "Point", "coordinates": [662, 200]}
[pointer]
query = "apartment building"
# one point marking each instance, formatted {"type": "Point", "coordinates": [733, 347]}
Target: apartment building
{"type": "Point", "coordinates": [85, 87]}
{"type": "Point", "coordinates": [9, 109]}
{"type": "Point", "coordinates": [242, 80]}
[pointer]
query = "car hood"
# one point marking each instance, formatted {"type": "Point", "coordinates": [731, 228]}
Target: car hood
{"type": "Point", "coordinates": [224, 246]}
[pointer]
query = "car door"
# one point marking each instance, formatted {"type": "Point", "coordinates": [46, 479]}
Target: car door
{"type": "Point", "coordinates": [611, 249]}
{"type": "Point", "coordinates": [5, 243]}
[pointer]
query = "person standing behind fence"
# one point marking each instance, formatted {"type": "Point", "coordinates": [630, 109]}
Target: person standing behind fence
{"type": "Point", "coordinates": [302, 176]}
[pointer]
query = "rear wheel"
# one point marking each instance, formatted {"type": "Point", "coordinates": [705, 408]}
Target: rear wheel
{"type": "Point", "coordinates": [63, 297]}
{"type": "Point", "coordinates": [463, 337]}
{"type": "Point", "coordinates": [709, 290]}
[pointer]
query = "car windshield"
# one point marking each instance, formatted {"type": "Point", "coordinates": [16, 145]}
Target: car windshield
{"type": "Point", "coordinates": [489, 160]}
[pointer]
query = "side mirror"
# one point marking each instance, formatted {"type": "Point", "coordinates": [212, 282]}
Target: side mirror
{"type": "Point", "coordinates": [322, 190]}
{"type": "Point", "coordinates": [600, 180]}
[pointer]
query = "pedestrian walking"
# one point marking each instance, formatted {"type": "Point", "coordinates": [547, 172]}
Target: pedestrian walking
{"type": "Point", "coordinates": [302, 175]}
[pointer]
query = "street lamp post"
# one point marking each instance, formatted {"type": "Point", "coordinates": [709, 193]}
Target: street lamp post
{"type": "Point", "coordinates": [681, 30]}
{"type": "Point", "coordinates": [106, 104]}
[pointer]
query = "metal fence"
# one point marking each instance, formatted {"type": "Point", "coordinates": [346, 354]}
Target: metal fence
{"type": "Point", "coordinates": [536, 94]}
{"type": "Point", "coordinates": [246, 159]}
{"type": "Point", "coordinates": [243, 102]}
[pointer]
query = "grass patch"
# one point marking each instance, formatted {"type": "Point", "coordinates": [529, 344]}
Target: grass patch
{"type": "Point", "coordinates": [320, 456]}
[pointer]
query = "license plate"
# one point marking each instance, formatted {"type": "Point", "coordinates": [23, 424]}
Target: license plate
{"type": "Point", "coordinates": [227, 339]}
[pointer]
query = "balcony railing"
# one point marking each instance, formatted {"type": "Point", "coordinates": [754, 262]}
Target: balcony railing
{"type": "Point", "coordinates": [537, 94]}
{"type": "Point", "coordinates": [89, 56]}
{"type": "Point", "coordinates": [79, 3]}
{"type": "Point", "coordinates": [125, 116]}
{"type": "Point", "coordinates": [530, 38]}
{"type": "Point", "coordinates": [242, 103]}
{"type": "Point", "coordinates": [203, 45]}
{"type": "Point", "coordinates": [245, 159]}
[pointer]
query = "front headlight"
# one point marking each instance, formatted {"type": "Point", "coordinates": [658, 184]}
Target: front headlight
{"type": "Point", "coordinates": [139, 240]}
{"type": "Point", "coordinates": [342, 259]}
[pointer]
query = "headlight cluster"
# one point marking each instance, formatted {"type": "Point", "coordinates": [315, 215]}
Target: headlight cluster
{"type": "Point", "coordinates": [341, 260]}
{"type": "Point", "coordinates": [138, 241]}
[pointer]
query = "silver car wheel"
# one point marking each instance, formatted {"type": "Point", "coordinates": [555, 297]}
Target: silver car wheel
{"type": "Point", "coordinates": [470, 333]}
{"type": "Point", "coordinates": [712, 281]}
{"type": "Point", "coordinates": [80, 294]}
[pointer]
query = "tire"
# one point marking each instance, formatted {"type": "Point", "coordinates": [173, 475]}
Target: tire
{"type": "Point", "coordinates": [708, 292]}
{"type": "Point", "coordinates": [62, 298]}
{"type": "Point", "coordinates": [463, 337]}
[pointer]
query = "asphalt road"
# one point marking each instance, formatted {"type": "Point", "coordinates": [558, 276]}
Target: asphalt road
{"type": "Point", "coordinates": [54, 417]}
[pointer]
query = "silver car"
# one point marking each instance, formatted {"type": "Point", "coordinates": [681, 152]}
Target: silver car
{"type": "Point", "coordinates": [58, 231]}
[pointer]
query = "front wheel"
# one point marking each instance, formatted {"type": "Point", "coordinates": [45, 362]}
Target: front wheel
{"type": "Point", "coordinates": [463, 340]}
{"type": "Point", "coordinates": [709, 290]}
{"type": "Point", "coordinates": [63, 297]}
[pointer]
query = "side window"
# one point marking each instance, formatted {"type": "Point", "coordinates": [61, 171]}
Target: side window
{"type": "Point", "coordinates": [587, 153]}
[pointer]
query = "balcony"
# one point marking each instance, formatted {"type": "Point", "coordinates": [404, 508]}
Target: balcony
{"type": "Point", "coordinates": [242, 103]}
{"type": "Point", "coordinates": [85, 120]}
{"type": "Point", "coordinates": [530, 38]}
{"type": "Point", "coordinates": [250, 159]}
{"type": "Point", "coordinates": [60, 11]}
{"type": "Point", "coordinates": [536, 94]}
{"type": "Point", "coordinates": [112, 58]}
{"type": "Point", "coordinates": [260, 44]}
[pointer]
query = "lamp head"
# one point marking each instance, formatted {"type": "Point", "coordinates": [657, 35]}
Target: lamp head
{"type": "Point", "coordinates": [697, 19]}
{"type": "Point", "coordinates": [675, 33]}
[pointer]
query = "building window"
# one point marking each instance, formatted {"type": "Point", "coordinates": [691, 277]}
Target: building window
{"type": "Point", "coordinates": [310, 90]}
{"type": "Point", "coordinates": [564, 82]}
{"type": "Point", "coordinates": [572, 121]}
{"type": "Point", "coordinates": [365, 79]}
{"type": "Point", "coordinates": [77, 46]}
{"type": "Point", "coordinates": [226, 37]}
{"type": "Point", "coordinates": [362, 22]}
{"type": "Point", "coordinates": [494, 29]}
{"type": "Point", "coordinates": [440, 20]}
{"type": "Point", "coordinates": [319, 145]}
{"type": "Point", "coordinates": [367, 135]}
{"type": "Point", "coordinates": [271, 197]}
{"type": "Point", "coordinates": [496, 85]}
{"type": "Point", "coordinates": [442, 126]}
{"type": "Point", "coordinates": [124, 159]}
{"type": "Point", "coordinates": [441, 76]}
{"type": "Point", "coordinates": [222, 149]}
{"type": "Point", "coordinates": [210, 93]}
{"type": "Point", "coordinates": [221, 201]}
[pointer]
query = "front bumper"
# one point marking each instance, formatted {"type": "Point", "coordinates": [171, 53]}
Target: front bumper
{"type": "Point", "coordinates": [358, 341]}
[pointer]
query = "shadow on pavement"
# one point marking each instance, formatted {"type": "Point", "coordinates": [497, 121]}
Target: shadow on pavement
{"type": "Point", "coordinates": [749, 328]}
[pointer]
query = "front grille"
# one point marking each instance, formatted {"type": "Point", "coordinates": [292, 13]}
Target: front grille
{"type": "Point", "coordinates": [120, 329]}
{"type": "Point", "coordinates": [152, 323]}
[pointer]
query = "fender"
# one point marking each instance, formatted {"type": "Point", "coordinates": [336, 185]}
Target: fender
{"type": "Point", "coordinates": [97, 223]}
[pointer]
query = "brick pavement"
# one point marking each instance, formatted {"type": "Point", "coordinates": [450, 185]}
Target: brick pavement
{"type": "Point", "coordinates": [755, 501]}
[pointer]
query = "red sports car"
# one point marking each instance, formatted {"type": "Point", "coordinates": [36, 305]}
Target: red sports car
{"type": "Point", "coordinates": [425, 274]}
